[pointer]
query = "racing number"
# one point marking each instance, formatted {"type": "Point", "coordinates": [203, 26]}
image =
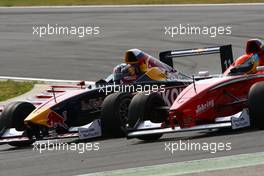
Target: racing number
{"type": "Point", "coordinates": [227, 63]}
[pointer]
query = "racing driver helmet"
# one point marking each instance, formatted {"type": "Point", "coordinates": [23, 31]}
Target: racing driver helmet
{"type": "Point", "coordinates": [124, 73]}
{"type": "Point", "coordinates": [254, 46]}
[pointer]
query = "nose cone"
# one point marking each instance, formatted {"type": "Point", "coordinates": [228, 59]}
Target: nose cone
{"type": "Point", "coordinates": [39, 117]}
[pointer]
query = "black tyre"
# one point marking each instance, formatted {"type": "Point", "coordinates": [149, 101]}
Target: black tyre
{"type": "Point", "coordinates": [21, 143]}
{"type": "Point", "coordinates": [14, 115]}
{"type": "Point", "coordinates": [146, 107]}
{"type": "Point", "coordinates": [114, 113]}
{"type": "Point", "coordinates": [256, 105]}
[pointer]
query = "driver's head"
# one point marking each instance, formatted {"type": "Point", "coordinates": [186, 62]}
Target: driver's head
{"type": "Point", "coordinates": [125, 73]}
{"type": "Point", "coordinates": [118, 72]}
{"type": "Point", "coordinates": [254, 46]}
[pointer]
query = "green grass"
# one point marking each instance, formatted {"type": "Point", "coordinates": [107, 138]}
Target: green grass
{"type": "Point", "coordinates": [111, 2]}
{"type": "Point", "coordinates": [11, 89]}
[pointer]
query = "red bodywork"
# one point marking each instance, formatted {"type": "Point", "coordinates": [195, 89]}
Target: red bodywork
{"type": "Point", "coordinates": [206, 100]}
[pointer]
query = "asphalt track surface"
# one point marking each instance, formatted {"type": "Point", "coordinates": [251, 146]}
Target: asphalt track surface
{"type": "Point", "coordinates": [91, 58]}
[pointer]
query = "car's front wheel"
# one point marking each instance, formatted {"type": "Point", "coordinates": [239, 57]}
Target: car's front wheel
{"type": "Point", "coordinates": [256, 105]}
{"type": "Point", "coordinates": [114, 113]}
{"type": "Point", "coordinates": [146, 107]}
{"type": "Point", "coordinates": [13, 116]}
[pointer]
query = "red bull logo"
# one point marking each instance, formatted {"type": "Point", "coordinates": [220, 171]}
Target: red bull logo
{"type": "Point", "coordinates": [55, 120]}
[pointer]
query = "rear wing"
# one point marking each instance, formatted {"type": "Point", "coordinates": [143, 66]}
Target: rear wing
{"type": "Point", "coordinates": [226, 54]}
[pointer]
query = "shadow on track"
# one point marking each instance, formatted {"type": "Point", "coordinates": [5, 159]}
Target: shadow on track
{"type": "Point", "coordinates": [201, 135]}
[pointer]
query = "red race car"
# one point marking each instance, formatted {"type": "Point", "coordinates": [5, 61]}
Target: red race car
{"type": "Point", "coordinates": [234, 100]}
{"type": "Point", "coordinates": [98, 110]}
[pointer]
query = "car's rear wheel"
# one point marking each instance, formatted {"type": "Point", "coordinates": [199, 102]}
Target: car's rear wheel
{"type": "Point", "coordinates": [13, 116]}
{"type": "Point", "coordinates": [114, 113]}
{"type": "Point", "coordinates": [256, 105]}
{"type": "Point", "coordinates": [146, 107]}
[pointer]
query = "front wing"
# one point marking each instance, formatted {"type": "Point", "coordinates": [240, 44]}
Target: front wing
{"type": "Point", "coordinates": [89, 131]}
{"type": "Point", "coordinates": [236, 121]}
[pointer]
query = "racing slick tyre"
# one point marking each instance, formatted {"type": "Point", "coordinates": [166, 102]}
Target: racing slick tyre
{"type": "Point", "coordinates": [21, 143]}
{"type": "Point", "coordinates": [256, 105]}
{"type": "Point", "coordinates": [145, 107]}
{"type": "Point", "coordinates": [14, 115]}
{"type": "Point", "coordinates": [114, 113]}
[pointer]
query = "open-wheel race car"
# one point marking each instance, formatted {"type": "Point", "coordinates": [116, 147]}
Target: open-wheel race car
{"type": "Point", "coordinates": [100, 109]}
{"type": "Point", "coordinates": [234, 100]}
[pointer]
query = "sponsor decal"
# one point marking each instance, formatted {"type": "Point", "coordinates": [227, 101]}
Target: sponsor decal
{"type": "Point", "coordinates": [170, 95]}
{"type": "Point", "coordinates": [91, 130]}
{"type": "Point", "coordinates": [205, 106]}
{"type": "Point", "coordinates": [240, 120]}
{"type": "Point", "coordinates": [54, 120]}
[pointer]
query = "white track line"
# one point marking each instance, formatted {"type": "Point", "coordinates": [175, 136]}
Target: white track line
{"type": "Point", "coordinates": [148, 5]}
{"type": "Point", "coordinates": [45, 80]}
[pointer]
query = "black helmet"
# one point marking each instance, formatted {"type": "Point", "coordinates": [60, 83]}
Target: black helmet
{"type": "Point", "coordinates": [254, 46]}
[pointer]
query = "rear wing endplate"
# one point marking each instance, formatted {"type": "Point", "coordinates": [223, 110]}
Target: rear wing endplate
{"type": "Point", "coordinates": [226, 54]}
